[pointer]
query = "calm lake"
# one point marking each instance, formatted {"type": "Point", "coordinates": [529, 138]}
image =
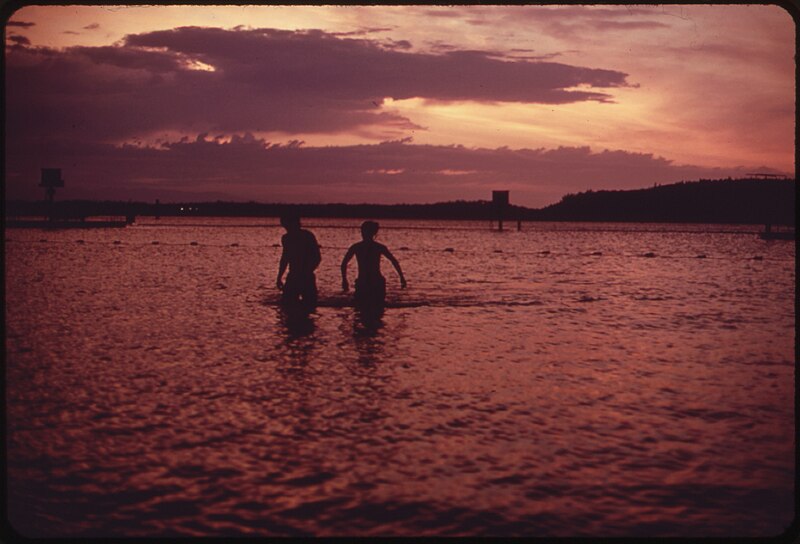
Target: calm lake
{"type": "Point", "coordinates": [564, 380]}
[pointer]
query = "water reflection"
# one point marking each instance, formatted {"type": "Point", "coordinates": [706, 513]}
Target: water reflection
{"type": "Point", "coordinates": [295, 324]}
{"type": "Point", "coordinates": [298, 344]}
{"type": "Point", "coordinates": [368, 322]}
{"type": "Point", "coordinates": [369, 341]}
{"type": "Point", "coordinates": [419, 421]}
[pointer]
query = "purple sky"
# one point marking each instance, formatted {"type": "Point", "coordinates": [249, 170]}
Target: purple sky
{"type": "Point", "coordinates": [364, 115]}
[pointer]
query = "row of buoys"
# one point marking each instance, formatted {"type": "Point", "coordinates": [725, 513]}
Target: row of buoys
{"type": "Point", "coordinates": [154, 242]}
{"type": "Point", "coordinates": [649, 254]}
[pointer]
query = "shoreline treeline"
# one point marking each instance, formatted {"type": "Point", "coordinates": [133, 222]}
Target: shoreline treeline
{"type": "Point", "coordinates": [742, 201]}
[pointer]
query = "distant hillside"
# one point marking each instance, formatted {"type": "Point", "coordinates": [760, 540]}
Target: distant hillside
{"type": "Point", "coordinates": [479, 210]}
{"type": "Point", "coordinates": [752, 201]}
{"type": "Point", "coordinates": [706, 201]}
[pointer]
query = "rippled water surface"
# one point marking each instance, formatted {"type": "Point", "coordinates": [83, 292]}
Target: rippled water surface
{"type": "Point", "coordinates": [567, 380]}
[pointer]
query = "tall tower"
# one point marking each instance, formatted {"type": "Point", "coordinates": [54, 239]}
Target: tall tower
{"type": "Point", "coordinates": [51, 178]}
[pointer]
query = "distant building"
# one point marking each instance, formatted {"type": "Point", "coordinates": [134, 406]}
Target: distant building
{"type": "Point", "coordinates": [500, 201]}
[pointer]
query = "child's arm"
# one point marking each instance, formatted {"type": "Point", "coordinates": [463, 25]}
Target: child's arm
{"type": "Point", "coordinates": [282, 267]}
{"type": "Point", "coordinates": [345, 261]}
{"type": "Point", "coordinates": [396, 265]}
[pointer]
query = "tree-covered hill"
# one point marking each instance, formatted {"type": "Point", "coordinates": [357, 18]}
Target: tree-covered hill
{"type": "Point", "coordinates": [706, 201]}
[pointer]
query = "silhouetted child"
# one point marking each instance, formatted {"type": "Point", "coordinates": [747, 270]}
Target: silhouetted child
{"type": "Point", "coordinates": [301, 254]}
{"type": "Point", "coordinates": [370, 283]}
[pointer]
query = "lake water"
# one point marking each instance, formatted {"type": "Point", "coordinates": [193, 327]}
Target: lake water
{"type": "Point", "coordinates": [565, 380]}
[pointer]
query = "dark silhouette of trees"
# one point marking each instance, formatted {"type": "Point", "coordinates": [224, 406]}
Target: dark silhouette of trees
{"type": "Point", "coordinates": [747, 201]}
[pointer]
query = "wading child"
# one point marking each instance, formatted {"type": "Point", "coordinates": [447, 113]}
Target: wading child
{"type": "Point", "coordinates": [301, 255]}
{"type": "Point", "coordinates": [370, 284]}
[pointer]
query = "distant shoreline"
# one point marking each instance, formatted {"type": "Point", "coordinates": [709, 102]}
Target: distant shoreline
{"type": "Point", "coordinates": [744, 201]}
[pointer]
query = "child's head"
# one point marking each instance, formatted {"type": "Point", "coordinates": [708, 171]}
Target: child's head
{"type": "Point", "coordinates": [290, 221]}
{"type": "Point", "coordinates": [369, 229]}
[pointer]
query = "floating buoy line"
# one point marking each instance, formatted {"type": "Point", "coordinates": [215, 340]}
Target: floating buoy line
{"type": "Point", "coordinates": [500, 252]}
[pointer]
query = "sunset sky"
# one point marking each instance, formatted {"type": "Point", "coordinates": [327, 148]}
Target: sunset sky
{"type": "Point", "coordinates": [390, 104]}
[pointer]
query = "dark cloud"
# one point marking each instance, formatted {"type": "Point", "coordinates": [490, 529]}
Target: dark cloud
{"type": "Point", "coordinates": [155, 62]}
{"type": "Point", "coordinates": [399, 44]}
{"type": "Point", "coordinates": [441, 46]}
{"type": "Point", "coordinates": [318, 62]}
{"type": "Point", "coordinates": [93, 26]}
{"type": "Point", "coordinates": [527, 54]}
{"type": "Point", "coordinates": [578, 21]}
{"type": "Point", "coordinates": [626, 25]}
{"type": "Point", "coordinates": [453, 13]}
{"type": "Point", "coordinates": [19, 40]}
{"type": "Point", "coordinates": [561, 19]}
{"type": "Point", "coordinates": [67, 107]}
{"type": "Point", "coordinates": [362, 32]}
{"type": "Point", "coordinates": [263, 80]}
{"type": "Point", "coordinates": [248, 168]}
{"type": "Point", "coordinates": [591, 13]}
{"type": "Point", "coordinates": [20, 23]}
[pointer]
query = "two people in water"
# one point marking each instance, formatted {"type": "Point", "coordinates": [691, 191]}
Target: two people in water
{"type": "Point", "coordinates": [302, 256]}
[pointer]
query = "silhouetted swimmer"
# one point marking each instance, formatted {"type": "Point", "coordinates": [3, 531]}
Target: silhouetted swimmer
{"type": "Point", "coordinates": [370, 283]}
{"type": "Point", "coordinates": [301, 254]}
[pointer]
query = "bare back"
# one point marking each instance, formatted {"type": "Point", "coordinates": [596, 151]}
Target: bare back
{"type": "Point", "coordinates": [301, 251]}
{"type": "Point", "coordinates": [368, 256]}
